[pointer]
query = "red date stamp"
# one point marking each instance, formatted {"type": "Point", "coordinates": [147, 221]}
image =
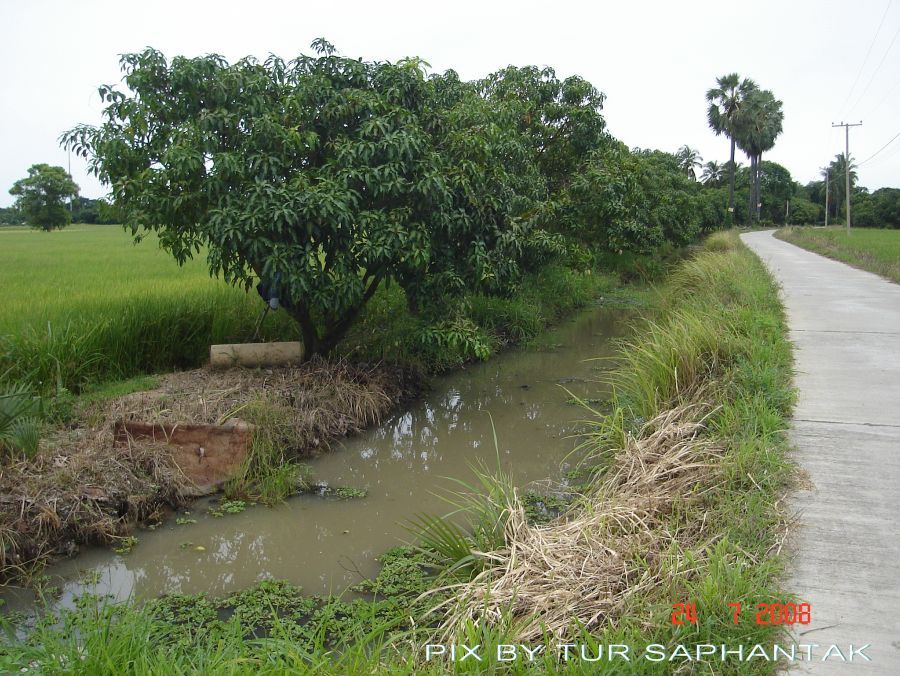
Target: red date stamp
{"type": "Point", "coordinates": [766, 613]}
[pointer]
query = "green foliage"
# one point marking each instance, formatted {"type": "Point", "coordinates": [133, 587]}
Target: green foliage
{"type": "Point", "coordinates": [541, 508]}
{"type": "Point", "coordinates": [712, 208]}
{"type": "Point", "coordinates": [40, 197]}
{"type": "Point", "coordinates": [350, 493]}
{"type": "Point", "coordinates": [269, 628]}
{"type": "Point", "coordinates": [605, 201]}
{"type": "Point", "coordinates": [689, 160]}
{"type": "Point", "coordinates": [561, 119]}
{"type": "Point", "coordinates": [125, 544]}
{"type": "Point", "coordinates": [323, 176]}
{"type": "Point", "coordinates": [456, 336]}
{"type": "Point", "coordinates": [10, 216]}
{"type": "Point", "coordinates": [881, 209]}
{"type": "Point", "coordinates": [623, 201]}
{"type": "Point", "coordinates": [804, 212]}
{"type": "Point", "coordinates": [713, 175]}
{"type": "Point", "coordinates": [633, 201]}
{"type": "Point", "coordinates": [837, 180]}
{"type": "Point", "coordinates": [483, 507]}
{"type": "Point", "coordinates": [228, 507]}
{"type": "Point", "coordinates": [85, 210]}
{"type": "Point", "coordinates": [388, 331]}
{"type": "Point", "coordinates": [775, 189]}
{"type": "Point", "coordinates": [20, 420]}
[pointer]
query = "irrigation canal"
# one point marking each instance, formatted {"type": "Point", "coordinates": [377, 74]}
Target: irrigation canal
{"type": "Point", "coordinates": [327, 544]}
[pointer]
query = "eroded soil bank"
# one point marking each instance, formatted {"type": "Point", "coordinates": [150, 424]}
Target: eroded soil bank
{"type": "Point", "coordinates": [85, 488]}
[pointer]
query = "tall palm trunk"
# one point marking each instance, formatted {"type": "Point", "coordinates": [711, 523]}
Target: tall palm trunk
{"type": "Point", "coordinates": [751, 209]}
{"type": "Point", "coordinates": [757, 198]}
{"type": "Point", "coordinates": [731, 181]}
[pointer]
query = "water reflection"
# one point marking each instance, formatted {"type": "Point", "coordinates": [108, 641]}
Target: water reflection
{"type": "Point", "coordinates": [326, 544]}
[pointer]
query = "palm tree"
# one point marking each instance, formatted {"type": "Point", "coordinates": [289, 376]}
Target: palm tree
{"type": "Point", "coordinates": [827, 174]}
{"type": "Point", "coordinates": [713, 173]}
{"type": "Point", "coordinates": [756, 127]}
{"type": "Point", "coordinates": [688, 161]}
{"type": "Point", "coordinates": [726, 100]}
{"type": "Point", "coordinates": [838, 170]}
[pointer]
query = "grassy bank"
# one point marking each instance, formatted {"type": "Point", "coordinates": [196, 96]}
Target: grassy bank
{"type": "Point", "coordinates": [687, 473]}
{"type": "Point", "coordinates": [877, 251]}
{"type": "Point", "coordinates": [689, 468]}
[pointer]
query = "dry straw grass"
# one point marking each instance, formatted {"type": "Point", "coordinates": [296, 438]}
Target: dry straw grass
{"type": "Point", "coordinates": [582, 570]}
{"type": "Point", "coordinates": [81, 489]}
{"type": "Point", "coordinates": [318, 401]}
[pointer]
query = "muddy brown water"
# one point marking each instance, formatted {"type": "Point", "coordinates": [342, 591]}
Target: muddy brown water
{"type": "Point", "coordinates": [327, 544]}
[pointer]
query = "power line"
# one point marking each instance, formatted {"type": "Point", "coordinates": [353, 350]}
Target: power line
{"type": "Point", "coordinates": [885, 157]}
{"type": "Point", "coordinates": [883, 99]}
{"type": "Point", "coordinates": [875, 72]}
{"type": "Point", "coordinates": [868, 53]}
{"type": "Point", "coordinates": [879, 150]}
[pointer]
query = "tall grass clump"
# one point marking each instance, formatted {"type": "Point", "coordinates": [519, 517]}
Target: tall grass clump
{"type": "Point", "coordinates": [270, 473]}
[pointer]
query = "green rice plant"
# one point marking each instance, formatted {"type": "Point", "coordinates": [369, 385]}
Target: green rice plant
{"type": "Point", "coordinates": [86, 305]}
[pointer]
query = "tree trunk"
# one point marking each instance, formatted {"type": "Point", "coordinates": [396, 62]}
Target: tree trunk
{"type": "Point", "coordinates": [756, 195]}
{"type": "Point", "coordinates": [308, 331]}
{"type": "Point", "coordinates": [750, 208]}
{"type": "Point", "coordinates": [731, 182]}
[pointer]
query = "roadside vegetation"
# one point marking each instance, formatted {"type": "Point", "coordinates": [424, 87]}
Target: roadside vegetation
{"type": "Point", "coordinates": [874, 250]}
{"type": "Point", "coordinates": [688, 471]}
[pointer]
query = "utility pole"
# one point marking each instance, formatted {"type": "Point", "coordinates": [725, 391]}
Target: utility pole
{"type": "Point", "coordinates": [846, 126]}
{"type": "Point", "coordinates": [71, 197]}
{"type": "Point", "coordinates": [827, 184]}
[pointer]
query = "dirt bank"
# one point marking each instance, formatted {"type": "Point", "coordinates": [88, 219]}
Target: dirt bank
{"type": "Point", "coordinates": [83, 488]}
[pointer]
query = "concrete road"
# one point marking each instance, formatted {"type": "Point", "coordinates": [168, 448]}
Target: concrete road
{"type": "Point", "coordinates": [845, 327]}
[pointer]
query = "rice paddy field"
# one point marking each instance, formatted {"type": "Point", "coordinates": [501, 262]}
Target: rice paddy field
{"type": "Point", "coordinates": [86, 304]}
{"type": "Point", "coordinates": [871, 249]}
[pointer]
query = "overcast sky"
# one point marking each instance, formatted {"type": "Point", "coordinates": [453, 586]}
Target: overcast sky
{"type": "Point", "coordinates": [827, 61]}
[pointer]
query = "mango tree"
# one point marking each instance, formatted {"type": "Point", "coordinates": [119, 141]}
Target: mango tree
{"type": "Point", "coordinates": [40, 197]}
{"type": "Point", "coordinates": [323, 177]}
